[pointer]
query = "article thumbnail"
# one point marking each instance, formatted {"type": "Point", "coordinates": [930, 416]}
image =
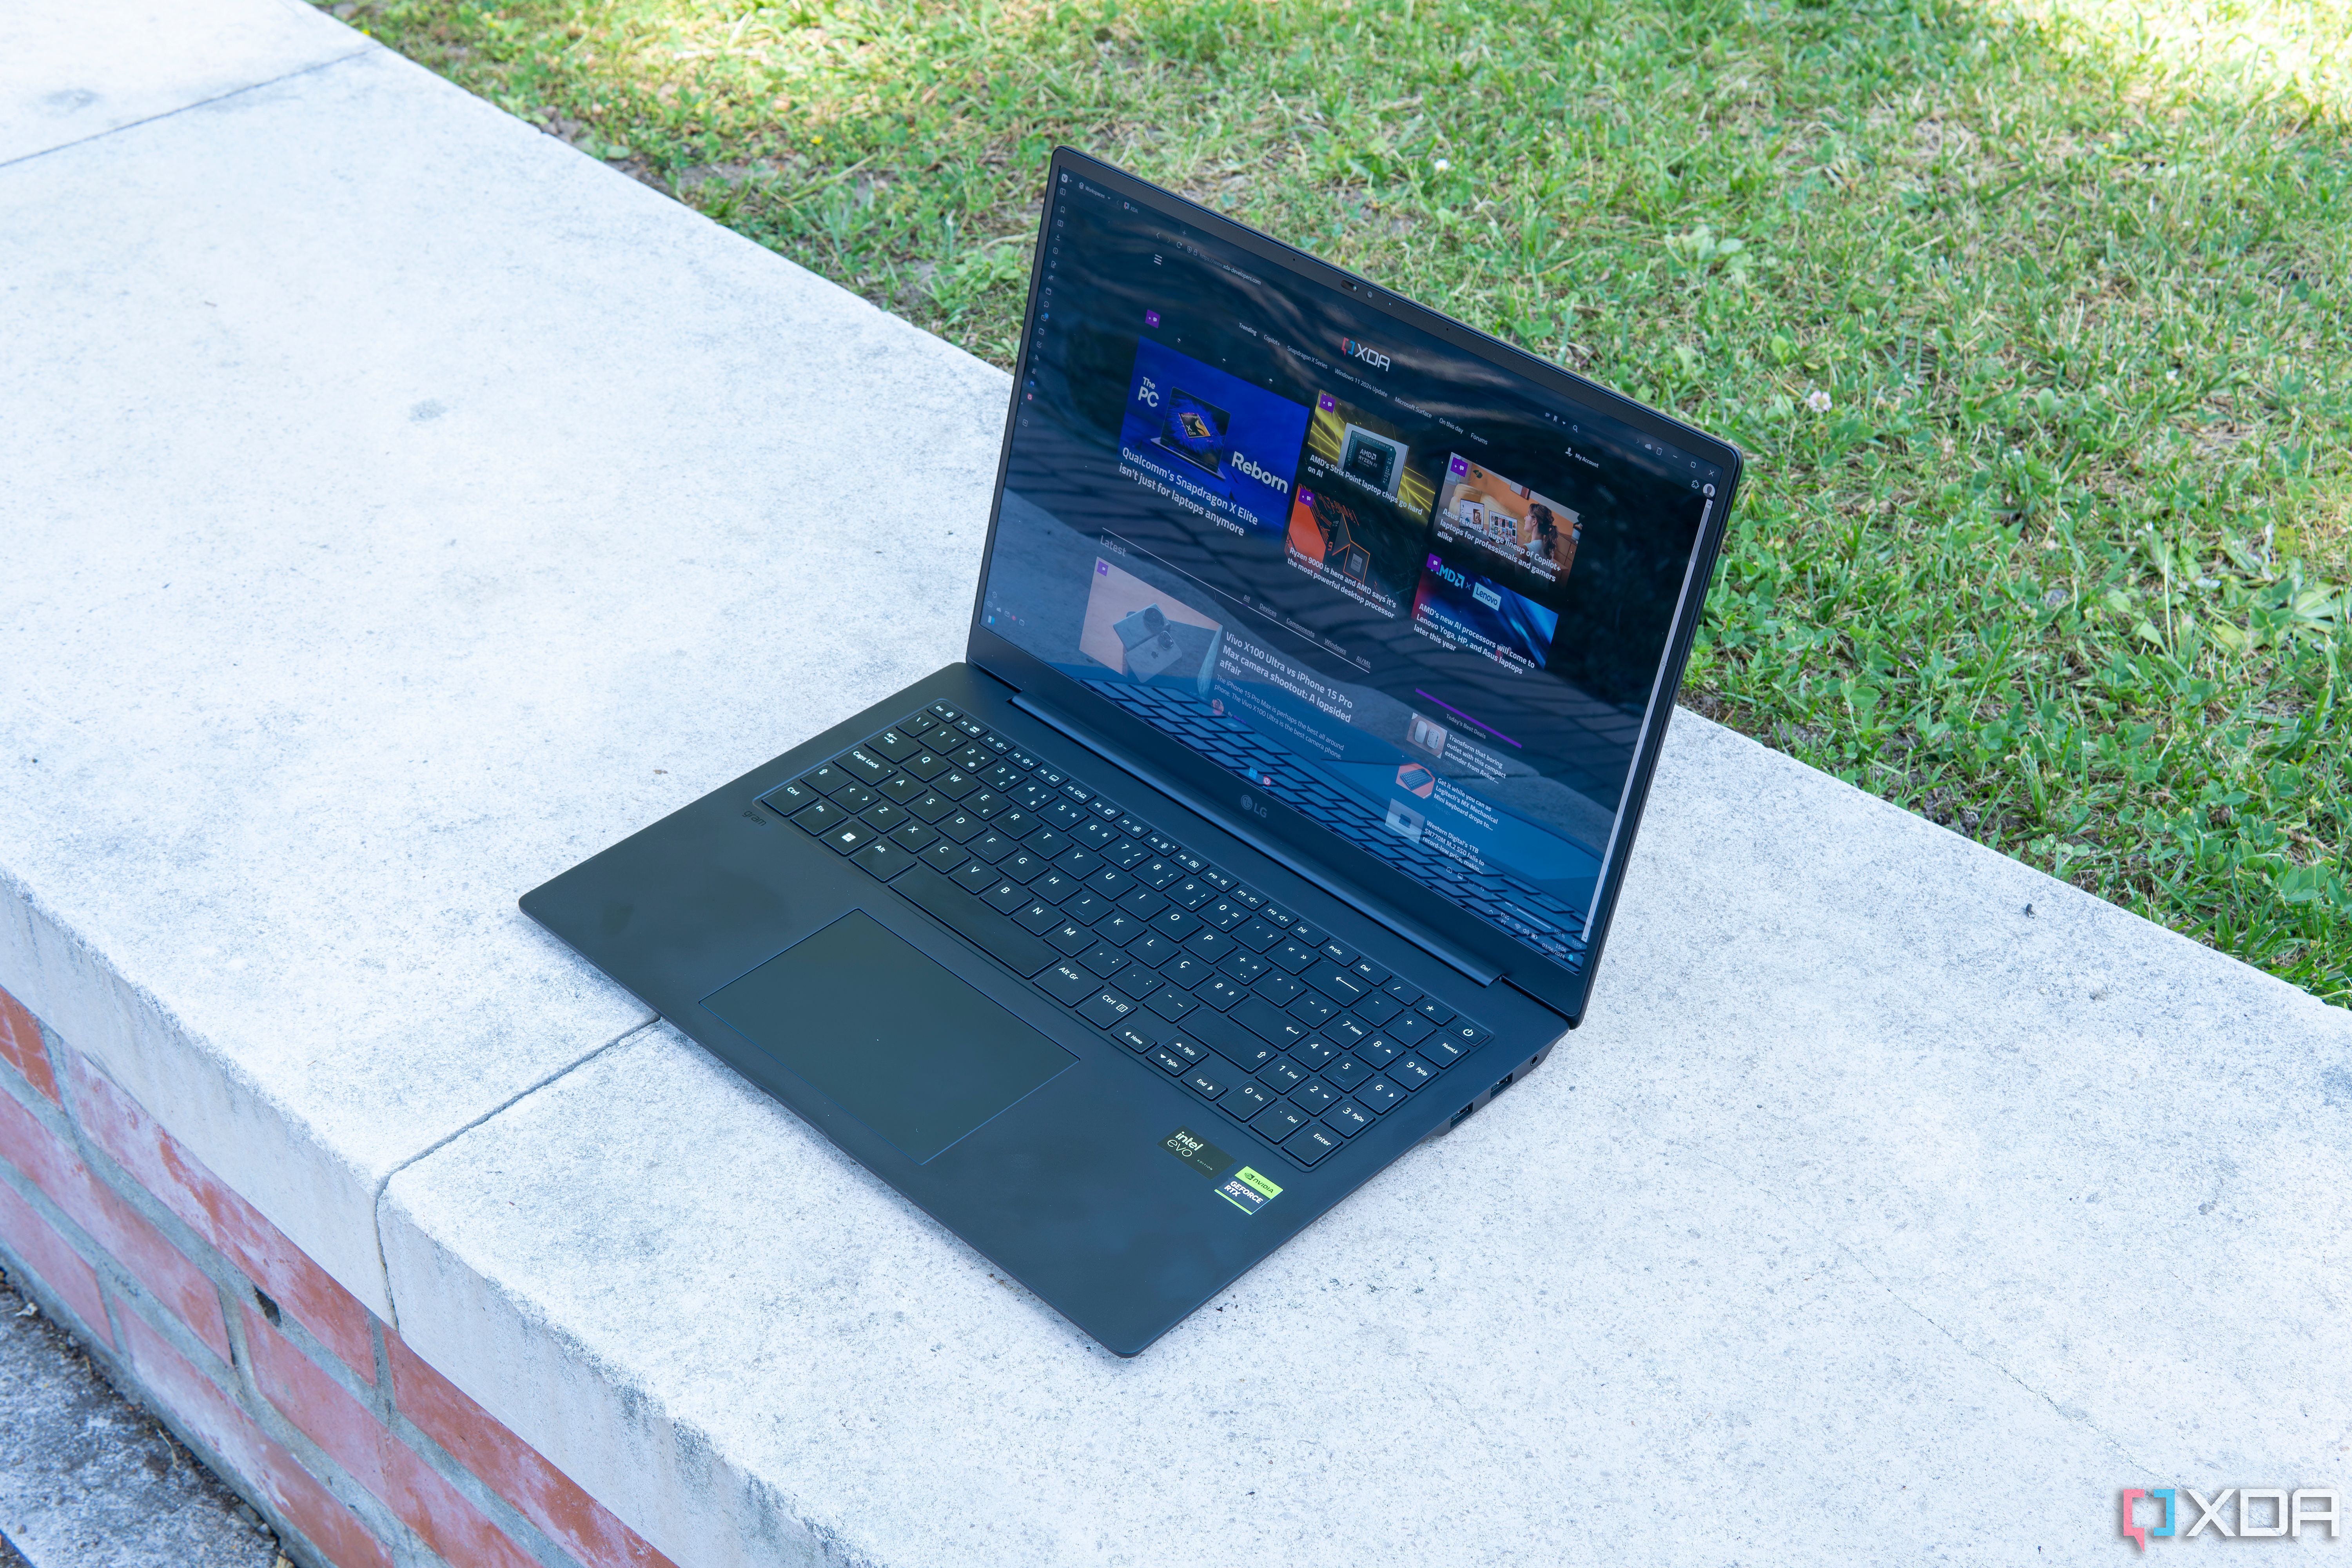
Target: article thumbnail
{"type": "Point", "coordinates": [1529, 531]}
{"type": "Point", "coordinates": [1210, 439]}
{"type": "Point", "coordinates": [1148, 635]}
{"type": "Point", "coordinates": [1359, 519]}
{"type": "Point", "coordinates": [1463, 609]}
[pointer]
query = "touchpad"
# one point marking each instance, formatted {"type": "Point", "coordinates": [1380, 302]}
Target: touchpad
{"type": "Point", "coordinates": [901, 1043]}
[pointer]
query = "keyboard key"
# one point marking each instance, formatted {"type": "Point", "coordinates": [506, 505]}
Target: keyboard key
{"type": "Point", "coordinates": [1251, 896]}
{"type": "Point", "coordinates": [1411, 1072]}
{"type": "Point", "coordinates": [1244, 1051]}
{"type": "Point", "coordinates": [1070, 938]}
{"type": "Point", "coordinates": [1339, 953]}
{"type": "Point", "coordinates": [1346, 1073]}
{"type": "Point", "coordinates": [1279, 916]}
{"type": "Point", "coordinates": [1441, 1049]}
{"type": "Point", "coordinates": [1201, 1084]}
{"type": "Point", "coordinates": [1192, 892]}
{"type": "Point", "coordinates": [1345, 1032]}
{"type": "Point", "coordinates": [1243, 968]}
{"type": "Point", "coordinates": [1118, 929]}
{"type": "Point", "coordinates": [1127, 854]}
{"type": "Point", "coordinates": [1371, 973]}
{"type": "Point", "coordinates": [882, 858]}
{"type": "Point", "coordinates": [1190, 1049]}
{"type": "Point", "coordinates": [1211, 945]}
{"type": "Point", "coordinates": [961, 826]}
{"type": "Point", "coordinates": [1157, 874]}
{"type": "Point", "coordinates": [1105, 1008]}
{"type": "Point", "coordinates": [1376, 1009]}
{"type": "Point", "coordinates": [1104, 959]}
{"type": "Point", "coordinates": [826, 779]}
{"type": "Point", "coordinates": [788, 798]}
{"type": "Point", "coordinates": [1410, 1027]}
{"type": "Point", "coordinates": [1280, 1075]}
{"type": "Point", "coordinates": [1402, 990]}
{"type": "Point", "coordinates": [1379, 1049]}
{"type": "Point", "coordinates": [1293, 958]}
{"type": "Point", "coordinates": [974, 760]}
{"type": "Point", "coordinates": [1224, 882]}
{"type": "Point", "coordinates": [1175, 924]}
{"type": "Point", "coordinates": [1153, 949]}
{"type": "Point", "coordinates": [1087, 907]}
{"type": "Point", "coordinates": [853, 798]}
{"type": "Point", "coordinates": [1257, 935]}
{"type": "Point", "coordinates": [1378, 1095]}
{"type": "Point", "coordinates": [1314, 1051]}
{"type": "Point", "coordinates": [1279, 989]}
{"type": "Point", "coordinates": [1314, 1097]}
{"type": "Point", "coordinates": [1248, 1100]}
{"type": "Point", "coordinates": [865, 766]}
{"type": "Point", "coordinates": [1142, 903]}
{"type": "Point", "coordinates": [1312, 1143]}
{"type": "Point", "coordinates": [1133, 1038]}
{"type": "Point", "coordinates": [1219, 992]}
{"type": "Point", "coordinates": [1170, 1002]}
{"type": "Point", "coordinates": [930, 806]}
{"type": "Point", "coordinates": [1311, 1010]}
{"type": "Point", "coordinates": [926, 765]}
{"type": "Point", "coordinates": [1348, 1117]}
{"type": "Point", "coordinates": [973, 875]}
{"type": "Point", "coordinates": [1005, 896]}
{"type": "Point", "coordinates": [1139, 981]}
{"type": "Point", "coordinates": [1264, 1020]}
{"type": "Point", "coordinates": [818, 818]}
{"type": "Point", "coordinates": [1053, 887]}
{"type": "Point", "coordinates": [1278, 1122]}
{"type": "Point", "coordinates": [944, 711]}
{"type": "Point", "coordinates": [1078, 863]}
{"type": "Point", "coordinates": [955, 784]}
{"type": "Point", "coordinates": [1335, 983]}
{"type": "Point", "coordinates": [1223, 913]}
{"type": "Point", "coordinates": [918, 724]}
{"type": "Point", "coordinates": [1112, 883]}
{"type": "Point", "coordinates": [1095, 834]}
{"type": "Point", "coordinates": [1463, 1033]}
{"type": "Point", "coordinates": [901, 789]}
{"type": "Point", "coordinates": [846, 838]}
{"type": "Point", "coordinates": [1020, 866]}
{"type": "Point", "coordinates": [915, 838]}
{"type": "Point", "coordinates": [991, 847]}
{"type": "Point", "coordinates": [1186, 971]}
{"type": "Point", "coordinates": [1039, 918]}
{"type": "Point", "coordinates": [1436, 1012]}
{"type": "Point", "coordinates": [1168, 1062]}
{"type": "Point", "coordinates": [882, 818]}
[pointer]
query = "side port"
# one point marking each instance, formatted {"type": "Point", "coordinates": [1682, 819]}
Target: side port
{"type": "Point", "coordinates": [1487, 1097]}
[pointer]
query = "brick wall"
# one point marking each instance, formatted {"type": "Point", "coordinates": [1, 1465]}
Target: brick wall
{"type": "Point", "coordinates": [358, 1452]}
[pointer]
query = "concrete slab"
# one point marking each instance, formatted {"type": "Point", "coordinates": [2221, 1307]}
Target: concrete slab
{"type": "Point", "coordinates": [76, 69]}
{"type": "Point", "coordinates": [401, 506]}
{"type": "Point", "coordinates": [1866, 1197]}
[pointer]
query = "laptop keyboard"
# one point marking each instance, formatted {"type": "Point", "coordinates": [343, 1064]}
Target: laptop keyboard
{"type": "Point", "coordinates": [1197, 975]}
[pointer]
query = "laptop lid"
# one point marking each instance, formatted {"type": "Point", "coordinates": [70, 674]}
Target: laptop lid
{"type": "Point", "coordinates": [1397, 604]}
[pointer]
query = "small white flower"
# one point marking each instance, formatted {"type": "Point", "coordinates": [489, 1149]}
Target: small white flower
{"type": "Point", "coordinates": [2172, 375]}
{"type": "Point", "coordinates": [1440, 164]}
{"type": "Point", "coordinates": [1817, 401]}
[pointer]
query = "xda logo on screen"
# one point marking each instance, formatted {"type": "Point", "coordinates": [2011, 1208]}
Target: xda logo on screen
{"type": "Point", "coordinates": [1365, 352]}
{"type": "Point", "coordinates": [2263, 1512]}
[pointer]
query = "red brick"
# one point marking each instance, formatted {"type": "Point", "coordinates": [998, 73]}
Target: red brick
{"type": "Point", "coordinates": [112, 1224]}
{"type": "Point", "coordinates": [53, 1259]}
{"type": "Point", "coordinates": [118, 1125]}
{"type": "Point", "coordinates": [355, 1439]}
{"type": "Point", "coordinates": [21, 1048]}
{"type": "Point", "coordinates": [206, 1413]}
{"type": "Point", "coordinates": [512, 1467]}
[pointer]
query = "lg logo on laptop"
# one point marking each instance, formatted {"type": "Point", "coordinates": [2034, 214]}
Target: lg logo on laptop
{"type": "Point", "coordinates": [2261, 1511]}
{"type": "Point", "coordinates": [1365, 352]}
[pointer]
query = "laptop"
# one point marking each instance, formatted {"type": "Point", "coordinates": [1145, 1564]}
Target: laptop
{"type": "Point", "coordinates": [1242, 853]}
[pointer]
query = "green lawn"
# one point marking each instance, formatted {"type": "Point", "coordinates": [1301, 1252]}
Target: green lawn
{"type": "Point", "coordinates": [2033, 315]}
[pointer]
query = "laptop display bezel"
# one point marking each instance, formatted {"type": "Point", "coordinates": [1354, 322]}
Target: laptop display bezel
{"type": "Point", "coordinates": [1383, 892]}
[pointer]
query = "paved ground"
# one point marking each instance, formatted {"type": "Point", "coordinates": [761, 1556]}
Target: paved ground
{"type": "Point", "coordinates": [88, 1479]}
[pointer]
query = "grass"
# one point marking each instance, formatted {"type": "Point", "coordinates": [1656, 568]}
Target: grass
{"type": "Point", "coordinates": [2031, 313]}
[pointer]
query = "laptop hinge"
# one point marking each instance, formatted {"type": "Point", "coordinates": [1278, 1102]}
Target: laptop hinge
{"type": "Point", "coordinates": [1436, 946]}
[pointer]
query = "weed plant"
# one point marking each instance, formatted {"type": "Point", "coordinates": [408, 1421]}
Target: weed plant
{"type": "Point", "coordinates": [2032, 319]}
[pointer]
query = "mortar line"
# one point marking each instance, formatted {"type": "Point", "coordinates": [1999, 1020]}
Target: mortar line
{"type": "Point", "coordinates": [375, 1203]}
{"type": "Point", "coordinates": [182, 108]}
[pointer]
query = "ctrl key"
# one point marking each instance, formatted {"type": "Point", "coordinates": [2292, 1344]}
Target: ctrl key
{"type": "Point", "coordinates": [1105, 1008]}
{"type": "Point", "coordinates": [1312, 1143]}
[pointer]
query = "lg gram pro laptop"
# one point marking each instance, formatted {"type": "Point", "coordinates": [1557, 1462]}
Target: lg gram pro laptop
{"type": "Point", "coordinates": [1272, 825]}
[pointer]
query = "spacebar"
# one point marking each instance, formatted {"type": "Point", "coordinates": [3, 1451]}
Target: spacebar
{"type": "Point", "coordinates": [974, 921]}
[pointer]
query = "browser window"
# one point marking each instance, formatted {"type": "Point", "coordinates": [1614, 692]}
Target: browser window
{"type": "Point", "coordinates": [1414, 597]}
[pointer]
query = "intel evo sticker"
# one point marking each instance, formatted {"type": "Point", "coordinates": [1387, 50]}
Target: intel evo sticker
{"type": "Point", "coordinates": [1247, 1190]}
{"type": "Point", "coordinates": [1198, 1152]}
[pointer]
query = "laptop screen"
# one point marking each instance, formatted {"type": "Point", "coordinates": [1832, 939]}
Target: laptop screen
{"type": "Point", "coordinates": [1417, 598]}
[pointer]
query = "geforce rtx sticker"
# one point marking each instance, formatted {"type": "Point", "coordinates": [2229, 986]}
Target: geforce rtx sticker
{"type": "Point", "coordinates": [1247, 1190]}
